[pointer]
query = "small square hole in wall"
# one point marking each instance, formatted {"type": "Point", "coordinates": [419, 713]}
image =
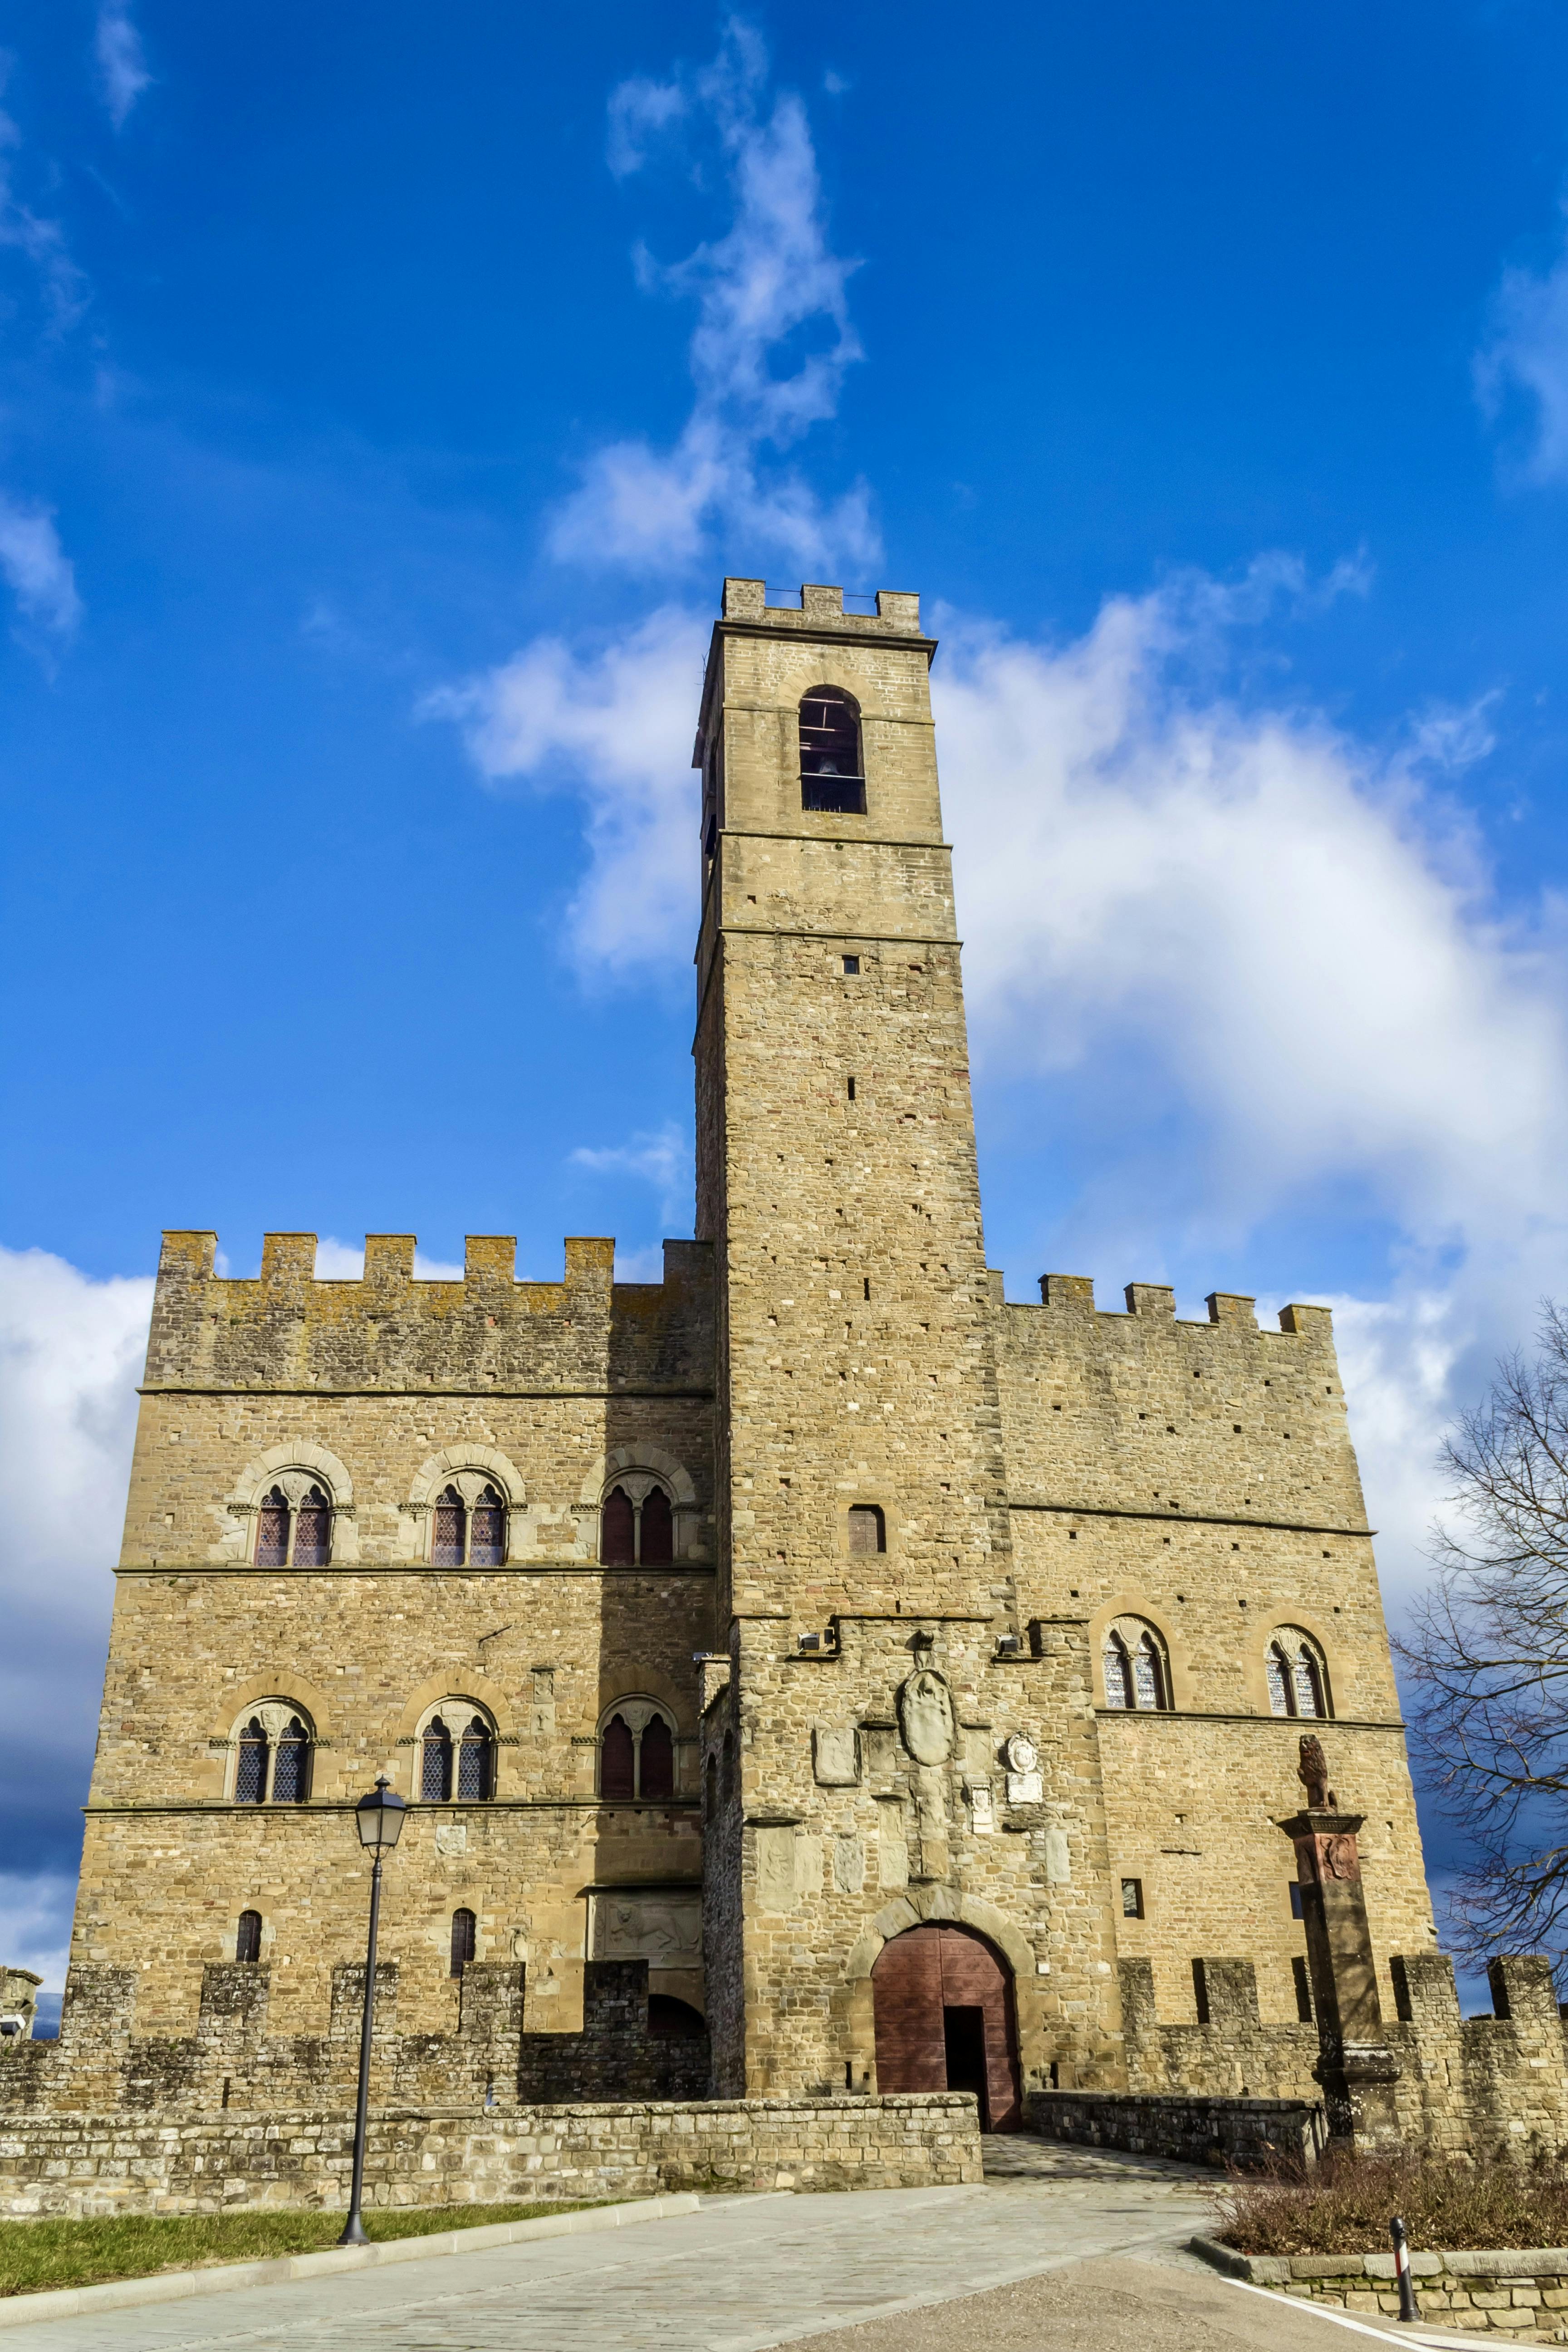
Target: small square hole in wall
{"type": "Point", "coordinates": [1133, 1898]}
{"type": "Point", "coordinates": [851, 964]}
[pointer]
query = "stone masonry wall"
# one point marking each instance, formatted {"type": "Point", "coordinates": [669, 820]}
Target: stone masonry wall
{"type": "Point", "coordinates": [102, 2063]}
{"type": "Point", "coordinates": [130, 2163]}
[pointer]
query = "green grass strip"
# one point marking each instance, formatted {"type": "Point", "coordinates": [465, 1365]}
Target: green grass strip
{"type": "Point", "coordinates": [38, 2255]}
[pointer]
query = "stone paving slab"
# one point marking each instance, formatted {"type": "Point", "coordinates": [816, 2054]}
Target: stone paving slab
{"type": "Point", "coordinates": [744, 2273]}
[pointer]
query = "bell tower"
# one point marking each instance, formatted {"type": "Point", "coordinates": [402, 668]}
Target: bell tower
{"type": "Point", "coordinates": [865, 1562]}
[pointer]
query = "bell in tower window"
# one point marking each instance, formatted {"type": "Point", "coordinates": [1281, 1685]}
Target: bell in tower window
{"type": "Point", "coordinates": [832, 776]}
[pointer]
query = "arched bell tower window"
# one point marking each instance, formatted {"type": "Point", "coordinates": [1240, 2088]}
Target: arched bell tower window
{"type": "Point", "coordinates": [297, 1534]}
{"type": "Point", "coordinates": [1134, 1667]}
{"type": "Point", "coordinates": [636, 1753]}
{"type": "Point", "coordinates": [832, 773]}
{"type": "Point", "coordinates": [1297, 1673]}
{"type": "Point", "coordinates": [636, 1523]}
{"type": "Point", "coordinates": [457, 1754]}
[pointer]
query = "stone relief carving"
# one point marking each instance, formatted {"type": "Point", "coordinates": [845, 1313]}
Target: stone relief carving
{"type": "Point", "coordinates": [926, 1717]}
{"type": "Point", "coordinates": [1026, 1783]}
{"type": "Point", "coordinates": [835, 1756]}
{"type": "Point", "coordinates": [659, 1925]}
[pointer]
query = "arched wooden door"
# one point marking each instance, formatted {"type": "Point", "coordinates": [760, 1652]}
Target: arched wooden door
{"type": "Point", "coordinates": [943, 1998]}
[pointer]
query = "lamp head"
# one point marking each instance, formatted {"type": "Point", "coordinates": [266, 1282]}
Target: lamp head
{"type": "Point", "coordinates": [379, 1817]}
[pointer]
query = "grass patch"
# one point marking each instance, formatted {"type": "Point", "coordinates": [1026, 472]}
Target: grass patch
{"type": "Point", "coordinates": [1345, 2205]}
{"type": "Point", "coordinates": [35, 2255]}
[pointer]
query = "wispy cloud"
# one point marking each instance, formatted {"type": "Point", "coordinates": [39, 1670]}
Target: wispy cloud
{"type": "Point", "coordinates": [37, 569]}
{"type": "Point", "coordinates": [614, 724]}
{"type": "Point", "coordinates": [662, 1158]}
{"type": "Point", "coordinates": [773, 341]}
{"type": "Point", "coordinates": [1525, 358]}
{"type": "Point", "coordinates": [40, 240]}
{"type": "Point", "coordinates": [122, 62]}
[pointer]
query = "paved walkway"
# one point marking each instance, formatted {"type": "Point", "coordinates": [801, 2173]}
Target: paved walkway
{"type": "Point", "coordinates": [749, 2273]}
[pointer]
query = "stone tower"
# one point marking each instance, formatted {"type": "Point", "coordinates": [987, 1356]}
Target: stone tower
{"type": "Point", "coordinates": [863, 1534]}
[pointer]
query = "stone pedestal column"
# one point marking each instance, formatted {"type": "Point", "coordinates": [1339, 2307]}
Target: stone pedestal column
{"type": "Point", "coordinates": [1355, 2066]}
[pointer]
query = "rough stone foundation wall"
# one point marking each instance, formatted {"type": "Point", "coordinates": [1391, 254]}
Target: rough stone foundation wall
{"type": "Point", "coordinates": [130, 2163]}
{"type": "Point", "coordinates": [1194, 2130]}
{"type": "Point", "coordinates": [1521, 2292]}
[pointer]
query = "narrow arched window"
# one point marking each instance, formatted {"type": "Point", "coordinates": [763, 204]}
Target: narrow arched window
{"type": "Point", "coordinates": [476, 1761]}
{"type": "Point", "coordinates": [656, 1761]}
{"type": "Point", "coordinates": [657, 1549]}
{"type": "Point", "coordinates": [436, 1762]}
{"type": "Point", "coordinates": [487, 1531]}
{"type": "Point", "coordinates": [1280, 1692]}
{"type": "Point", "coordinates": [313, 1531]}
{"type": "Point", "coordinates": [867, 1528]}
{"type": "Point", "coordinates": [1118, 1675]}
{"type": "Point", "coordinates": [831, 778]}
{"type": "Point", "coordinates": [250, 1779]}
{"type": "Point", "coordinates": [1308, 1682]}
{"type": "Point", "coordinates": [247, 1942]}
{"type": "Point", "coordinates": [617, 1760]}
{"type": "Point", "coordinates": [272, 1531]}
{"type": "Point", "coordinates": [1148, 1681]}
{"type": "Point", "coordinates": [463, 1935]}
{"type": "Point", "coordinates": [617, 1530]}
{"type": "Point", "coordinates": [447, 1542]}
{"type": "Point", "coordinates": [291, 1765]}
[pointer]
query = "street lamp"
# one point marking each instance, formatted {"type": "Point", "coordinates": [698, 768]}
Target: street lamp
{"type": "Point", "coordinates": [378, 1817]}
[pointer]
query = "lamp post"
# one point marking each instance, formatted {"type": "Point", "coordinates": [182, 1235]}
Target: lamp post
{"type": "Point", "coordinates": [378, 1817]}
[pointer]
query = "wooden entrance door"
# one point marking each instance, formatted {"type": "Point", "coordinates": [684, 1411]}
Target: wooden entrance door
{"type": "Point", "coordinates": [926, 1988]}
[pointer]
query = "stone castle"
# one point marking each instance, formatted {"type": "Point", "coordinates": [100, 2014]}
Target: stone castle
{"type": "Point", "coordinates": [812, 1676]}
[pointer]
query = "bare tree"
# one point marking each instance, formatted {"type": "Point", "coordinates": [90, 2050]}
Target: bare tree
{"type": "Point", "coordinates": [1487, 1655]}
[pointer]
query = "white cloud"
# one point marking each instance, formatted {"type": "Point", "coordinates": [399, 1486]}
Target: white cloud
{"type": "Point", "coordinates": [616, 726]}
{"type": "Point", "coordinates": [37, 571]}
{"type": "Point", "coordinates": [41, 241]}
{"type": "Point", "coordinates": [121, 64]}
{"type": "Point", "coordinates": [771, 281]}
{"type": "Point", "coordinates": [1527, 355]}
{"type": "Point", "coordinates": [72, 1352]}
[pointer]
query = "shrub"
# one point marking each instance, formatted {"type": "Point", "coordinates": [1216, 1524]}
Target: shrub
{"type": "Point", "coordinates": [1344, 2206]}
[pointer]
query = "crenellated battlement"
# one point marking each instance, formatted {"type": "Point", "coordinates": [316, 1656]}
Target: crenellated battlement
{"type": "Point", "coordinates": [1154, 1303]}
{"type": "Point", "coordinates": [897, 610]}
{"type": "Point", "coordinates": [391, 1325]}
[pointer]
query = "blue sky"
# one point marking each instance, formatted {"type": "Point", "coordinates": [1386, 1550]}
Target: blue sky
{"type": "Point", "coordinates": [382, 395]}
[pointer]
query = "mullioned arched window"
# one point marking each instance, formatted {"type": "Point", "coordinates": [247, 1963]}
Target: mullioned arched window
{"type": "Point", "coordinates": [294, 1535]}
{"type": "Point", "coordinates": [1297, 1673]}
{"type": "Point", "coordinates": [273, 1744]}
{"type": "Point", "coordinates": [456, 1746]}
{"type": "Point", "coordinates": [636, 1523]}
{"type": "Point", "coordinates": [636, 1753]}
{"type": "Point", "coordinates": [1134, 1667]}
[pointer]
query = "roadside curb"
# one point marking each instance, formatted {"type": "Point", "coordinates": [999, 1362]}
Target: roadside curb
{"type": "Point", "coordinates": [224, 2278]}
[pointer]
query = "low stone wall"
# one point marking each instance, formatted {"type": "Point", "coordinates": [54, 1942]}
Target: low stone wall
{"type": "Point", "coordinates": [1522, 2291]}
{"type": "Point", "coordinates": [1195, 2130]}
{"type": "Point", "coordinates": [129, 2162]}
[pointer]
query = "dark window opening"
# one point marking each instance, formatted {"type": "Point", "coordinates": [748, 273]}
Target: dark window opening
{"type": "Point", "coordinates": [617, 1530]}
{"type": "Point", "coordinates": [463, 1927]}
{"type": "Point", "coordinates": [851, 1089]}
{"type": "Point", "coordinates": [832, 779]}
{"type": "Point", "coordinates": [448, 1544]}
{"type": "Point", "coordinates": [250, 1779]}
{"type": "Point", "coordinates": [617, 1760]}
{"type": "Point", "coordinates": [851, 965]}
{"type": "Point", "coordinates": [1296, 1910]}
{"type": "Point", "coordinates": [247, 1942]}
{"type": "Point", "coordinates": [272, 1532]}
{"type": "Point", "coordinates": [487, 1531]}
{"type": "Point", "coordinates": [291, 1765]}
{"type": "Point", "coordinates": [1133, 1898]}
{"type": "Point", "coordinates": [656, 1761]}
{"type": "Point", "coordinates": [313, 1531]}
{"type": "Point", "coordinates": [867, 1528]}
{"type": "Point", "coordinates": [475, 1761]}
{"type": "Point", "coordinates": [435, 1764]}
{"type": "Point", "coordinates": [1304, 1989]}
{"type": "Point", "coordinates": [658, 1545]}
